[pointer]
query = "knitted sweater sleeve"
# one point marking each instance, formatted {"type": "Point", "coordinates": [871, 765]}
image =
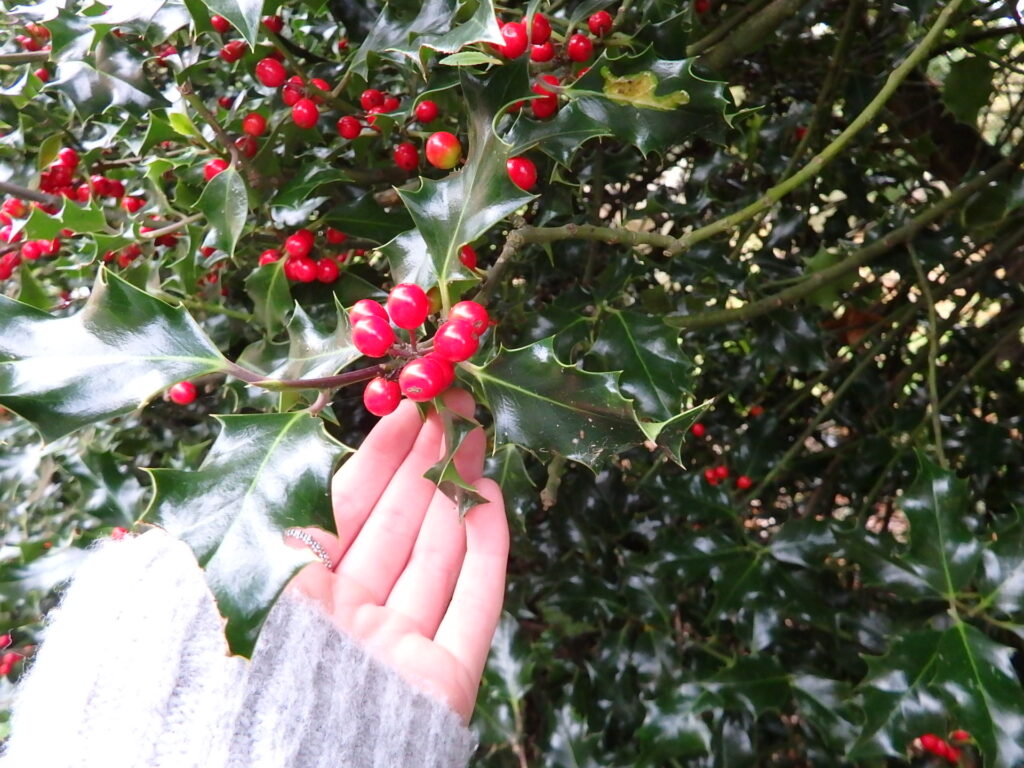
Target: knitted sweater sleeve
{"type": "Point", "coordinates": [134, 672]}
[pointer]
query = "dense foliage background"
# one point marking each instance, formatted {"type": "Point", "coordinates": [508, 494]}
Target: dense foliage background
{"type": "Point", "coordinates": [816, 252]}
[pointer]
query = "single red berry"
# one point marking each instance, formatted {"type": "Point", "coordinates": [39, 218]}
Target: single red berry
{"type": "Point", "coordinates": [32, 250]}
{"type": "Point", "coordinates": [426, 111]}
{"type": "Point", "coordinates": [133, 203]}
{"type": "Point", "coordinates": [514, 34]}
{"type": "Point", "coordinates": [422, 379]}
{"type": "Point", "coordinates": [391, 103]}
{"type": "Point", "coordinates": [318, 85]}
{"type": "Point", "coordinates": [702, 6]}
{"type": "Point", "coordinates": [254, 124]}
{"type": "Point", "coordinates": [335, 236]}
{"type": "Point", "coordinates": [247, 145]}
{"type": "Point", "coordinates": [299, 244]}
{"type": "Point", "coordinates": [408, 305]}
{"type": "Point", "coordinates": [373, 336]}
{"type": "Point", "coordinates": [522, 171]}
{"type": "Point", "coordinates": [207, 250]}
{"type": "Point", "coordinates": [118, 533]}
{"type": "Point", "coordinates": [83, 193]}
{"type": "Point", "coordinates": [755, 411]}
{"type": "Point", "coordinates": [271, 72]}
{"type": "Point", "coordinates": [406, 156]}
{"type": "Point", "coordinates": [367, 308]}
{"type": "Point", "coordinates": [305, 113]}
{"type": "Point", "coordinates": [959, 736]}
{"type": "Point", "coordinates": [183, 393]}
{"type": "Point", "coordinates": [447, 368]}
{"type": "Point", "coordinates": [115, 188]}
{"type": "Point", "coordinates": [543, 52]}
{"type": "Point", "coordinates": [547, 105]}
{"type": "Point", "coordinates": [269, 256]}
{"type": "Point", "coordinates": [226, 102]}
{"type": "Point", "coordinates": [37, 31]}
{"type": "Point", "coordinates": [472, 313]}
{"type": "Point", "coordinates": [579, 47]}
{"type": "Point", "coordinates": [327, 270]}
{"type": "Point", "coordinates": [220, 24]}
{"type": "Point", "coordinates": [233, 51]}
{"type": "Point", "coordinates": [292, 91]}
{"type": "Point", "coordinates": [744, 483]}
{"type": "Point", "coordinates": [60, 175]}
{"type": "Point", "coordinates": [67, 156]}
{"type": "Point", "coordinates": [274, 24]}
{"type": "Point", "coordinates": [382, 396]}
{"type": "Point", "coordinates": [214, 167]}
{"type": "Point", "coordinates": [456, 340]}
{"type": "Point", "coordinates": [721, 471]}
{"type": "Point", "coordinates": [5, 640]}
{"type": "Point", "coordinates": [43, 74]}
{"type": "Point", "coordinates": [467, 255]}
{"type": "Point", "coordinates": [711, 476]}
{"type": "Point", "coordinates": [343, 44]}
{"type": "Point", "coordinates": [698, 430]}
{"type": "Point", "coordinates": [540, 29]}
{"type": "Point", "coordinates": [443, 150]}
{"type": "Point", "coordinates": [349, 127]}
{"type": "Point", "coordinates": [600, 23]}
{"type": "Point", "coordinates": [799, 132]}
{"type": "Point", "coordinates": [371, 98]}
{"type": "Point", "coordinates": [930, 742]}
{"type": "Point", "coordinates": [951, 753]}
{"type": "Point", "coordinates": [302, 269]}
{"type": "Point", "coordinates": [15, 207]}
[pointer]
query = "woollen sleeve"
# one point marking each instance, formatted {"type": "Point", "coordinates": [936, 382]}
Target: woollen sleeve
{"type": "Point", "coordinates": [134, 671]}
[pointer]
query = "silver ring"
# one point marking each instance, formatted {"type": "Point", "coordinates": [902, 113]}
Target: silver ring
{"type": "Point", "coordinates": [315, 546]}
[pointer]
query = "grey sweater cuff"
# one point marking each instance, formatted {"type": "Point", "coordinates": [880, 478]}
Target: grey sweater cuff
{"type": "Point", "coordinates": [134, 671]}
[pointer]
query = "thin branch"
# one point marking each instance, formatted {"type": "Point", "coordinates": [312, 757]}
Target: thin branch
{"type": "Point", "coordinates": [172, 227]}
{"type": "Point", "coordinates": [27, 57]}
{"type": "Point", "coordinates": [933, 355]}
{"type": "Point", "coordinates": [215, 308]}
{"type": "Point", "coordinates": [752, 34]}
{"type": "Point", "coordinates": [725, 27]}
{"type": "Point", "coordinates": [25, 193]}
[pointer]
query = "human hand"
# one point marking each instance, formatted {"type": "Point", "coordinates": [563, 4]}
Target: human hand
{"type": "Point", "coordinates": [416, 588]}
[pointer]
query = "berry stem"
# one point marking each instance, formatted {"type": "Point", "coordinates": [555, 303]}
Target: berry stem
{"type": "Point", "coordinates": [16, 190]}
{"type": "Point", "coordinates": [174, 226]}
{"type": "Point", "coordinates": [323, 383]}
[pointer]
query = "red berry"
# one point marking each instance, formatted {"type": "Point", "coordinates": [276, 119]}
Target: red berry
{"type": "Point", "coordinates": [271, 73]}
{"type": "Point", "coordinates": [343, 44]}
{"type": "Point", "coordinates": [547, 105]}
{"type": "Point", "coordinates": [755, 411]}
{"type": "Point", "coordinates": [220, 24]}
{"type": "Point", "coordinates": [67, 156]}
{"type": "Point", "coordinates": [543, 52]}
{"type": "Point", "coordinates": [319, 85]}
{"type": "Point", "coordinates": [579, 47]}
{"type": "Point", "coordinates": [799, 132]}
{"type": "Point", "coordinates": [711, 476]}
{"type": "Point", "coordinates": [406, 156]}
{"type": "Point", "coordinates": [32, 250]}
{"type": "Point", "coordinates": [133, 203]}
{"type": "Point", "coordinates": [254, 124]}
{"type": "Point", "coordinates": [269, 256]}
{"type": "Point", "coordinates": [371, 98]}
{"type": "Point", "coordinates": [43, 74]}
{"type": "Point", "coordinates": [300, 244]}
{"type": "Point", "coordinates": [456, 341]}
{"type": "Point", "coordinates": [372, 336]}
{"type": "Point", "coordinates": [702, 6]}
{"type": "Point", "coordinates": [472, 313]}
{"type": "Point", "coordinates": [233, 51]}
{"type": "Point", "coordinates": [408, 305]}
{"type": "Point", "coordinates": [60, 175]}
{"type": "Point", "coordinates": [540, 29]}
{"type": "Point", "coordinates": [305, 113]}
{"type": "Point", "coordinates": [274, 23]}
{"type": "Point", "coordinates": [721, 471]}
{"type": "Point", "coordinates": [327, 270]}
{"type": "Point", "coordinates": [422, 379]}
{"type": "Point", "coordinates": [83, 193]}
{"type": "Point", "coordinates": [467, 255]}
{"type": "Point", "coordinates": [367, 308]}
{"type": "Point", "coordinates": [182, 393]}
{"type": "Point", "coordinates": [391, 103]}
{"type": "Point", "coordinates": [292, 91]}
{"type": "Point", "coordinates": [514, 34]}
{"type": "Point", "coordinates": [118, 533]}
{"type": "Point", "coordinates": [743, 482]}
{"type": "Point", "coordinates": [381, 396]}
{"type": "Point", "coordinates": [349, 127]}
{"type": "Point", "coordinates": [226, 102]}
{"type": "Point", "coordinates": [522, 171]}
{"type": "Point", "coordinates": [447, 367]}
{"type": "Point", "coordinates": [213, 167]}
{"type": "Point", "coordinates": [335, 236]}
{"type": "Point", "coordinates": [426, 111]}
{"type": "Point", "coordinates": [15, 207]}
{"type": "Point", "coordinates": [247, 145]}
{"type": "Point", "coordinates": [698, 430]}
{"type": "Point", "coordinates": [600, 23]}
{"type": "Point", "coordinates": [960, 735]}
{"type": "Point", "coordinates": [443, 150]}
{"type": "Point", "coordinates": [301, 269]}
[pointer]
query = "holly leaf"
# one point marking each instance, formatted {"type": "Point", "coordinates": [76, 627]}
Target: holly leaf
{"type": "Point", "coordinates": [640, 99]}
{"type": "Point", "coordinates": [156, 20]}
{"type": "Point", "coordinates": [670, 434]}
{"type": "Point", "coordinates": [113, 78]}
{"type": "Point", "coordinates": [656, 373]}
{"type": "Point", "coordinates": [225, 204]}
{"type": "Point", "coordinates": [1001, 582]}
{"type": "Point", "coordinates": [79, 218]}
{"type": "Point", "coordinates": [968, 88]}
{"type": "Point", "coordinates": [444, 474]}
{"type": "Point", "coordinates": [506, 467]}
{"type": "Point", "coordinates": [263, 474]}
{"type": "Point", "coordinates": [271, 296]}
{"type": "Point", "coordinates": [244, 16]}
{"type": "Point", "coordinates": [548, 407]}
{"type": "Point", "coordinates": [113, 356]}
{"type": "Point", "coordinates": [314, 351]}
{"type": "Point", "coordinates": [365, 218]}
{"type": "Point", "coordinates": [464, 205]}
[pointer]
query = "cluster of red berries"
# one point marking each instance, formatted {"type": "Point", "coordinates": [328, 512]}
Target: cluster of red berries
{"type": "Point", "coordinates": [36, 39]}
{"type": "Point", "coordinates": [30, 250]}
{"type": "Point", "coordinates": [578, 47]}
{"type": "Point", "coordinates": [939, 747]}
{"type": "Point", "coordinates": [9, 659]}
{"type": "Point", "coordinates": [719, 473]}
{"type": "Point", "coordinates": [299, 266]}
{"type": "Point", "coordinates": [429, 368]}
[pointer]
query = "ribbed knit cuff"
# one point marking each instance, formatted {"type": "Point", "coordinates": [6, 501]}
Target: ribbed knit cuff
{"type": "Point", "coordinates": [134, 671]}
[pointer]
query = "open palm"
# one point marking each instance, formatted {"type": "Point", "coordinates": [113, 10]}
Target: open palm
{"type": "Point", "coordinates": [420, 590]}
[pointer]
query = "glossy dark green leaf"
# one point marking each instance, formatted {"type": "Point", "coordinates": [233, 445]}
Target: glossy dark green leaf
{"type": "Point", "coordinates": [672, 433]}
{"type": "Point", "coordinates": [655, 372]}
{"type": "Point", "coordinates": [968, 88]}
{"type": "Point", "coordinates": [271, 295]}
{"type": "Point", "coordinates": [1002, 570]}
{"type": "Point", "coordinates": [155, 20]}
{"type": "Point", "coordinates": [79, 218]}
{"type": "Point", "coordinates": [642, 100]}
{"type": "Point", "coordinates": [365, 218]}
{"type": "Point", "coordinates": [112, 76]}
{"type": "Point", "coordinates": [264, 473]}
{"type": "Point", "coordinates": [244, 16]}
{"type": "Point", "coordinates": [31, 291]}
{"type": "Point", "coordinates": [315, 351]}
{"type": "Point", "coordinates": [444, 473]}
{"type": "Point", "coordinates": [464, 205]}
{"type": "Point", "coordinates": [755, 684]}
{"type": "Point", "coordinates": [306, 182]}
{"type": "Point", "coordinates": [671, 731]}
{"type": "Point", "coordinates": [507, 468]}
{"type": "Point", "coordinates": [225, 204]}
{"type": "Point", "coordinates": [546, 406]}
{"type": "Point", "coordinates": [110, 358]}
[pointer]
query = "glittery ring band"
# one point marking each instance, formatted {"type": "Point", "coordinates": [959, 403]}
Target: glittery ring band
{"type": "Point", "coordinates": [313, 544]}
